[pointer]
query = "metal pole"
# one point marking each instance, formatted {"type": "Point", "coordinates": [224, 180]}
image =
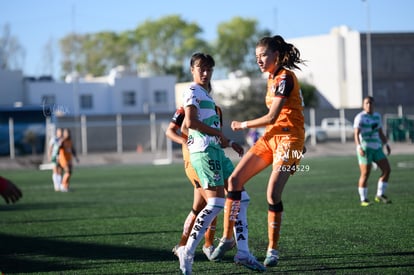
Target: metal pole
{"type": "Point", "coordinates": [84, 135]}
{"type": "Point", "coordinates": [369, 57]}
{"type": "Point", "coordinates": [153, 132]}
{"type": "Point", "coordinates": [11, 138]}
{"type": "Point", "coordinates": [119, 144]}
{"type": "Point", "coordinates": [342, 125]}
{"type": "Point", "coordinates": [312, 126]}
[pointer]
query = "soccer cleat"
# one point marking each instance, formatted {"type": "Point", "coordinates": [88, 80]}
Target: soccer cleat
{"type": "Point", "coordinates": [208, 251]}
{"type": "Point", "coordinates": [174, 250]}
{"type": "Point", "coordinates": [382, 199]}
{"type": "Point", "coordinates": [186, 261]}
{"type": "Point", "coordinates": [272, 258]}
{"type": "Point", "coordinates": [365, 203]}
{"type": "Point", "coordinates": [249, 261]}
{"type": "Point", "coordinates": [57, 186]}
{"type": "Point", "coordinates": [221, 249]}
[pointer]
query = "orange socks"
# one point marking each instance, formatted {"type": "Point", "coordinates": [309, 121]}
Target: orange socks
{"type": "Point", "coordinates": [231, 210]}
{"type": "Point", "coordinates": [210, 233]}
{"type": "Point", "coordinates": [188, 225]}
{"type": "Point", "coordinates": [274, 221]}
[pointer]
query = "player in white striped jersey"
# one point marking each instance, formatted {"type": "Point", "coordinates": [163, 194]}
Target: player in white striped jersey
{"type": "Point", "coordinates": [369, 139]}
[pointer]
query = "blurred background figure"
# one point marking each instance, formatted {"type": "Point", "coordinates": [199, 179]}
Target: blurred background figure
{"type": "Point", "coordinates": [9, 191]}
{"type": "Point", "coordinates": [66, 154]}
{"type": "Point", "coordinates": [53, 153]}
{"type": "Point", "coordinates": [252, 136]}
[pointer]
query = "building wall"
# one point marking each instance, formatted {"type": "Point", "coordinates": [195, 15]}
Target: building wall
{"type": "Point", "coordinates": [11, 87]}
{"type": "Point", "coordinates": [67, 97]}
{"type": "Point", "coordinates": [106, 98]}
{"type": "Point", "coordinates": [333, 63]}
{"type": "Point", "coordinates": [392, 67]}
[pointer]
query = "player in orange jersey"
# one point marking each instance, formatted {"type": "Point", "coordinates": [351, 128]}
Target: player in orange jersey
{"type": "Point", "coordinates": [66, 153]}
{"type": "Point", "coordinates": [281, 145]}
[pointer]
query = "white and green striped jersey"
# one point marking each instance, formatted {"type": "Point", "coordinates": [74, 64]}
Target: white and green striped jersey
{"type": "Point", "coordinates": [198, 97]}
{"type": "Point", "coordinates": [55, 142]}
{"type": "Point", "coordinates": [369, 124]}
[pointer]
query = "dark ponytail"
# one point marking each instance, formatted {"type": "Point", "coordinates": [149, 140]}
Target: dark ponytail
{"type": "Point", "coordinates": [289, 55]}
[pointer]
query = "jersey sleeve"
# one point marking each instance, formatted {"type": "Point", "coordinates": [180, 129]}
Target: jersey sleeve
{"type": "Point", "coordinates": [284, 86]}
{"type": "Point", "coordinates": [178, 117]}
{"type": "Point", "coordinates": [380, 125]}
{"type": "Point", "coordinates": [190, 98]}
{"type": "Point", "coordinates": [357, 121]}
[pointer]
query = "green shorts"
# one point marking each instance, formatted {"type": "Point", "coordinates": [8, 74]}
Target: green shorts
{"type": "Point", "coordinates": [212, 167]}
{"type": "Point", "coordinates": [54, 160]}
{"type": "Point", "coordinates": [371, 155]}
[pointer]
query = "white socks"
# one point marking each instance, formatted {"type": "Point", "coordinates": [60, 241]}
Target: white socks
{"type": "Point", "coordinates": [57, 179]}
{"type": "Point", "coordinates": [363, 193]}
{"type": "Point", "coordinates": [381, 187]}
{"type": "Point", "coordinates": [202, 222]}
{"type": "Point", "coordinates": [241, 232]}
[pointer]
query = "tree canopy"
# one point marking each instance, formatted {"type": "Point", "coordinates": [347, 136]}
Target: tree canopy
{"type": "Point", "coordinates": [162, 46]}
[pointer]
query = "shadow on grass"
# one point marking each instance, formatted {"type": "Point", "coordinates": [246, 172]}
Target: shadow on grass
{"type": "Point", "coordinates": [30, 254]}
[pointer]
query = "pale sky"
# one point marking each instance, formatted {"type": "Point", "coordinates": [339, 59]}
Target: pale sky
{"type": "Point", "coordinates": [35, 22]}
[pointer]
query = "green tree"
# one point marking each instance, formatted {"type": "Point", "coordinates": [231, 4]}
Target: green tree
{"type": "Point", "coordinates": [31, 138]}
{"type": "Point", "coordinates": [236, 43]}
{"type": "Point", "coordinates": [165, 45]}
{"type": "Point", "coordinates": [161, 47]}
{"type": "Point", "coordinates": [73, 59]}
{"type": "Point", "coordinates": [97, 53]}
{"type": "Point", "coordinates": [249, 103]}
{"type": "Point", "coordinates": [12, 54]}
{"type": "Point", "coordinates": [309, 93]}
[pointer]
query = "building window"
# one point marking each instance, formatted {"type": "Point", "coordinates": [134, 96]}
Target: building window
{"type": "Point", "coordinates": [48, 100]}
{"type": "Point", "coordinates": [129, 98]}
{"type": "Point", "coordinates": [86, 102]}
{"type": "Point", "coordinates": [160, 97]}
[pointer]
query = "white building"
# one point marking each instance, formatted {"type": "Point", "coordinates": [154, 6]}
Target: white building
{"type": "Point", "coordinates": [333, 66]}
{"type": "Point", "coordinates": [11, 87]}
{"type": "Point", "coordinates": [118, 93]}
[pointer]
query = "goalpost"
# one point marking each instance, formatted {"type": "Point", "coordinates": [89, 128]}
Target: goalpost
{"type": "Point", "coordinates": [50, 130]}
{"type": "Point", "coordinates": [164, 144]}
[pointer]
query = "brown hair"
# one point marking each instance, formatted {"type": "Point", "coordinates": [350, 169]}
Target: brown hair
{"type": "Point", "coordinates": [202, 59]}
{"type": "Point", "coordinates": [289, 55]}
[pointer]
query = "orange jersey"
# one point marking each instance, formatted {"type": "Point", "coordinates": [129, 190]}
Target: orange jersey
{"type": "Point", "coordinates": [290, 120]}
{"type": "Point", "coordinates": [65, 152]}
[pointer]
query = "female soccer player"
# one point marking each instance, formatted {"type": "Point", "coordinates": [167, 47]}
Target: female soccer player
{"type": "Point", "coordinates": [66, 153]}
{"type": "Point", "coordinates": [53, 152]}
{"type": "Point", "coordinates": [205, 142]}
{"type": "Point", "coordinates": [199, 198]}
{"type": "Point", "coordinates": [369, 139]}
{"type": "Point", "coordinates": [281, 144]}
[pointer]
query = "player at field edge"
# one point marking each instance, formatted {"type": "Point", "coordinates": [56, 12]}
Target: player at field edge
{"type": "Point", "coordinates": [53, 154]}
{"type": "Point", "coordinates": [369, 140]}
{"type": "Point", "coordinates": [205, 143]}
{"type": "Point", "coordinates": [281, 145]}
{"type": "Point", "coordinates": [66, 154]}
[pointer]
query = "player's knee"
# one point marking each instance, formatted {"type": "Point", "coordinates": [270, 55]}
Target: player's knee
{"type": "Point", "coordinates": [245, 197]}
{"type": "Point", "coordinates": [234, 195]}
{"type": "Point", "coordinates": [278, 207]}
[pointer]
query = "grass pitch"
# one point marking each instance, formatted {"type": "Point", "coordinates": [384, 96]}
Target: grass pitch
{"type": "Point", "coordinates": [126, 219]}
